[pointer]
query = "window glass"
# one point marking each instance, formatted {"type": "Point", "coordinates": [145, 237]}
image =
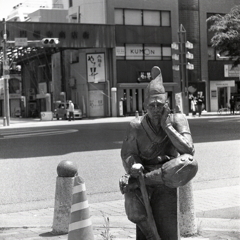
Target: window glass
{"type": "Point", "coordinates": [165, 18]}
{"type": "Point", "coordinates": [120, 52]}
{"type": "Point", "coordinates": [134, 51]}
{"type": "Point", "coordinates": [166, 52]}
{"type": "Point", "coordinates": [151, 18]}
{"type": "Point", "coordinates": [152, 52]}
{"type": "Point", "coordinates": [118, 16]}
{"type": "Point", "coordinates": [211, 53]}
{"type": "Point", "coordinates": [133, 17]}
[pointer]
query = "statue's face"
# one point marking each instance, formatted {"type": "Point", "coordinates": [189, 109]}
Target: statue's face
{"type": "Point", "coordinates": [155, 110]}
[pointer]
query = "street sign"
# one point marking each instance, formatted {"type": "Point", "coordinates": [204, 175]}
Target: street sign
{"type": "Point", "coordinates": [21, 42]}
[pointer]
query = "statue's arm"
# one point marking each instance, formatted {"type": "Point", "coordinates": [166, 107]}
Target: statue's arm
{"type": "Point", "coordinates": [179, 133]}
{"type": "Point", "coordinates": [129, 151]}
{"type": "Point", "coordinates": [181, 169]}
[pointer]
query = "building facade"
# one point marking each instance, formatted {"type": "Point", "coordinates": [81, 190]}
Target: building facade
{"type": "Point", "coordinates": [107, 50]}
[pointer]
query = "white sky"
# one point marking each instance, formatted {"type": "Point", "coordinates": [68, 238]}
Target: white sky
{"type": "Point", "coordinates": [6, 7]}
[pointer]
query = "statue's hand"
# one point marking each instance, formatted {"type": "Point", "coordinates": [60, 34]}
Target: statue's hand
{"type": "Point", "coordinates": [136, 170]}
{"type": "Point", "coordinates": [165, 116]}
{"type": "Point", "coordinates": [127, 184]}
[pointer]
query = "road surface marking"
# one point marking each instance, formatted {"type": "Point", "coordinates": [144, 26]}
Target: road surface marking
{"type": "Point", "coordinates": [23, 134]}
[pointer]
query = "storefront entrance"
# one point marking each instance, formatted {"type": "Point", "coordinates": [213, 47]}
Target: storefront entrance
{"type": "Point", "coordinates": [222, 97]}
{"type": "Point", "coordinates": [220, 93]}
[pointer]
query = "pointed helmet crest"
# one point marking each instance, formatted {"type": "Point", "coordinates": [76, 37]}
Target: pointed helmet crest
{"type": "Point", "coordinates": [155, 91]}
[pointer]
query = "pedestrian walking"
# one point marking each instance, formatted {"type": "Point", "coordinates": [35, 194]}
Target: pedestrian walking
{"type": "Point", "coordinates": [199, 104]}
{"type": "Point", "coordinates": [232, 105]}
{"type": "Point", "coordinates": [71, 111]}
{"type": "Point", "coordinates": [193, 104]}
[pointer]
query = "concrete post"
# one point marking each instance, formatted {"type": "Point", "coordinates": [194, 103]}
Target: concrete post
{"type": "Point", "coordinates": [187, 217]}
{"type": "Point", "coordinates": [137, 114]}
{"type": "Point", "coordinates": [114, 101]}
{"type": "Point", "coordinates": [48, 102]}
{"type": "Point", "coordinates": [63, 196]}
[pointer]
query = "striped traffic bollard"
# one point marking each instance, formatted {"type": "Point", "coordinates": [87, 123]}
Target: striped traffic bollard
{"type": "Point", "coordinates": [80, 226]}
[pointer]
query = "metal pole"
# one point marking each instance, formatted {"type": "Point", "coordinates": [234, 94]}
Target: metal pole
{"type": "Point", "coordinates": [6, 77]}
{"type": "Point", "coordinates": [183, 63]}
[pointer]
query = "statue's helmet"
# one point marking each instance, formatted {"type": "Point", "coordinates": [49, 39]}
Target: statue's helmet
{"type": "Point", "coordinates": [155, 91]}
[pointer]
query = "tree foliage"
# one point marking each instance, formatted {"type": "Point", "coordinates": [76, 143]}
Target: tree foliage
{"type": "Point", "coordinates": [226, 30]}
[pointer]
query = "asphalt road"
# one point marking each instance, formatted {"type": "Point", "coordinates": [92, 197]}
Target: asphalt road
{"type": "Point", "coordinates": [29, 158]}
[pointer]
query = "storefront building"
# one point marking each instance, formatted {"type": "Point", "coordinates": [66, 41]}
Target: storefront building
{"type": "Point", "coordinates": [108, 51]}
{"type": "Point", "coordinates": [222, 80]}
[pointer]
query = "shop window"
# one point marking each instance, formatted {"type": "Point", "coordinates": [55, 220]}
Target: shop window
{"type": "Point", "coordinates": [165, 19]}
{"type": "Point", "coordinates": [166, 52]}
{"type": "Point", "coordinates": [211, 53]}
{"type": "Point", "coordinates": [151, 18]}
{"type": "Point", "coordinates": [133, 17]}
{"type": "Point", "coordinates": [142, 17]}
{"type": "Point", "coordinates": [119, 16]}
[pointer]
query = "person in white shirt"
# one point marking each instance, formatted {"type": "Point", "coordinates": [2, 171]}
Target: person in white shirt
{"type": "Point", "coordinates": [71, 111]}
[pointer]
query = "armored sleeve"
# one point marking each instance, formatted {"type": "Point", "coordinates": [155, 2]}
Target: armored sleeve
{"type": "Point", "coordinates": [129, 151]}
{"type": "Point", "coordinates": [179, 133]}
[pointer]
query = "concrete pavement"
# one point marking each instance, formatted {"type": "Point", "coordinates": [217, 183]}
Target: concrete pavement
{"type": "Point", "coordinates": [217, 209]}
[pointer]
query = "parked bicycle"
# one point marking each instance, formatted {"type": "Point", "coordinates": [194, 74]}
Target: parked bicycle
{"type": "Point", "coordinates": [224, 110]}
{"type": "Point", "coordinates": [237, 108]}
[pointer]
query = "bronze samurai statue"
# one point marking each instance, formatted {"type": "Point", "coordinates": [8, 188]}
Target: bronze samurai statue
{"type": "Point", "coordinates": [160, 144]}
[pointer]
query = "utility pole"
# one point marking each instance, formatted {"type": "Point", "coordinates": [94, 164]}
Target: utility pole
{"type": "Point", "coordinates": [6, 118]}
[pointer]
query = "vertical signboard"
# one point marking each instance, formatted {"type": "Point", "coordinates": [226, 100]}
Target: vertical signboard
{"type": "Point", "coordinates": [96, 67]}
{"type": "Point", "coordinates": [96, 103]}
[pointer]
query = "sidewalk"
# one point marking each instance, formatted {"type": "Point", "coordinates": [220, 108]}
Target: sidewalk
{"type": "Point", "coordinates": [217, 212]}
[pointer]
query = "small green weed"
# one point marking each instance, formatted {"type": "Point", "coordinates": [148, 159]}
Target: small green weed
{"type": "Point", "coordinates": [106, 233]}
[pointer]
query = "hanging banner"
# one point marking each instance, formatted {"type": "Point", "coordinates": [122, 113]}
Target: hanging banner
{"type": "Point", "coordinates": [96, 67]}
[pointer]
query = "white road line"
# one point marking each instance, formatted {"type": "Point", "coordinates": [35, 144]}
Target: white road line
{"type": "Point", "coordinates": [24, 131]}
{"type": "Point", "coordinates": [48, 133]}
{"type": "Point", "coordinates": [225, 120]}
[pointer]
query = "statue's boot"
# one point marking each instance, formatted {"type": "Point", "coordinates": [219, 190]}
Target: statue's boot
{"type": "Point", "coordinates": [146, 230]}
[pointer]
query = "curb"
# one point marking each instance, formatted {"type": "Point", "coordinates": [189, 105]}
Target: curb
{"type": "Point", "coordinates": [28, 122]}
